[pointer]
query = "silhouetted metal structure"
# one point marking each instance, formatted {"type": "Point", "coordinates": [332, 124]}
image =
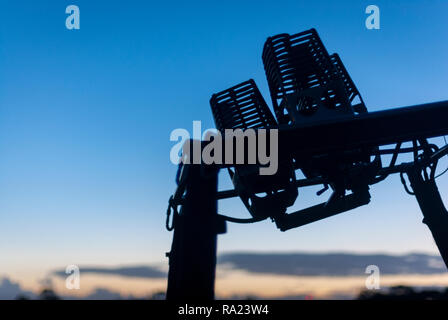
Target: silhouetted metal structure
{"type": "Point", "coordinates": [325, 132]}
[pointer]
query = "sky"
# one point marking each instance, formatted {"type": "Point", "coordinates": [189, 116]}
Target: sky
{"type": "Point", "coordinates": [86, 116]}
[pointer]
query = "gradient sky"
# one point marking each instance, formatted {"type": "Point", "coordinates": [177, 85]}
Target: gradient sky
{"type": "Point", "coordinates": [85, 119]}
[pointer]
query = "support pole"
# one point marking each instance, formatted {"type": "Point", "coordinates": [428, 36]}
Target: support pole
{"type": "Point", "coordinates": [434, 212]}
{"type": "Point", "coordinates": [192, 260]}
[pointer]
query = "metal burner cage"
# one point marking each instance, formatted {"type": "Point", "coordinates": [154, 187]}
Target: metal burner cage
{"type": "Point", "coordinates": [305, 82]}
{"type": "Point", "coordinates": [243, 107]}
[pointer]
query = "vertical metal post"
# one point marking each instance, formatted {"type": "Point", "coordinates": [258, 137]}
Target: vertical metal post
{"type": "Point", "coordinates": [192, 260]}
{"type": "Point", "coordinates": [434, 212]}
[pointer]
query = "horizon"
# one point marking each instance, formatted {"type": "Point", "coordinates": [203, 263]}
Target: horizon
{"type": "Point", "coordinates": [236, 281]}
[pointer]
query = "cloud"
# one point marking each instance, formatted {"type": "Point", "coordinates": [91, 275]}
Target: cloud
{"type": "Point", "coordinates": [335, 264]}
{"type": "Point", "coordinates": [101, 294]}
{"type": "Point", "coordinates": [130, 271]}
{"type": "Point", "coordinates": [106, 294]}
{"type": "Point", "coordinates": [297, 264]}
{"type": "Point", "coordinates": [10, 290]}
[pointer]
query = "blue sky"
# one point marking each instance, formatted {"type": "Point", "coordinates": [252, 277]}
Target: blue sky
{"type": "Point", "coordinates": [85, 118]}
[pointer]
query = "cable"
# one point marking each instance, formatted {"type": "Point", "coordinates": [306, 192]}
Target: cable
{"type": "Point", "coordinates": [392, 163]}
{"type": "Point", "coordinates": [405, 185]}
{"type": "Point", "coordinates": [441, 174]}
{"type": "Point", "coordinates": [171, 205]}
{"type": "Point", "coordinates": [172, 209]}
{"type": "Point", "coordinates": [240, 220]}
{"type": "Point", "coordinates": [446, 170]}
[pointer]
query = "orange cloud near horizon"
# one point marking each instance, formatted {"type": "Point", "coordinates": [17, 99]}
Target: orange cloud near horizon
{"type": "Point", "coordinates": [237, 283]}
